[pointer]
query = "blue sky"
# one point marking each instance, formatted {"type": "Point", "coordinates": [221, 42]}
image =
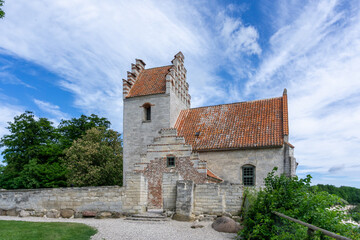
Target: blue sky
{"type": "Point", "coordinates": [61, 59]}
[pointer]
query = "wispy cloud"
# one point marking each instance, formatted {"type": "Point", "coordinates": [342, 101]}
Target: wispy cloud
{"type": "Point", "coordinates": [8, 112]}
{"type": "Point", "coordinates": [8, 78]}
{"type": "Point", "coordinates": [314, 51]}
{"type": "Point", "coordinates": [51, 109]}
{"type": "Point", "coordinates": [316, 55]}
{"type": "Point", "coordinates": [91, 45]}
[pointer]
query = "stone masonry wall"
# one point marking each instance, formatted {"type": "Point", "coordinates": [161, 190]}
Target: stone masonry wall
{"type": "Point", "coordinates": [154, 174]}
{"type": "Point", "coordinates": [228, 164]}
{"type": "Point", "coordinates": [79, 199]}
{"type": "Point", "coordinates": [131, 199]}
{"type": "Point", "coordinates": [214, 198]}
{"type": "Point", "coordinates": [207, 198]}
{"type": "Point", "coordinates": [138, 133]}
{"type": "Point", "coordinates": [169, 190]}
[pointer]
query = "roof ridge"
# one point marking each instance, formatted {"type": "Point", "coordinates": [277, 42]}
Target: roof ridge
{"type": "Point", "coordinates": [259, 100]}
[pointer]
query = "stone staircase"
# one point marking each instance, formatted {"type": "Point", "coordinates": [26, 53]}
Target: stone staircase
{"type": "Point", "coordinates": [150, 216]}
{"type": "Point", "coordinates": [169, 142]}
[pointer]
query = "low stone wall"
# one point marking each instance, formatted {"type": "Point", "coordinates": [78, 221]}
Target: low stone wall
{"type": "Point", "coordinates": [213, 198]}
{"type": "Point", "coordinates": [86, 201]}
{"type": "Point", "coordinates": [78, 199]}
{"type": "Point", "coordinates": [183, 196]}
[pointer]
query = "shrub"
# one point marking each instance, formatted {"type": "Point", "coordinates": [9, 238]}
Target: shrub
{"type": "Point", "coordinates": [355, 213]}
{"type": "Point", "coordinates": [295, 198]}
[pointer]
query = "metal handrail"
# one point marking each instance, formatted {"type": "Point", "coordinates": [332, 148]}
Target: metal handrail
{"type": "Point", "coordinates": [312, 228]}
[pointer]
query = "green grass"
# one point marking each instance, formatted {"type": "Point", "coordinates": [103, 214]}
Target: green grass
{"type": "Point", "coordinates": [18, 230]}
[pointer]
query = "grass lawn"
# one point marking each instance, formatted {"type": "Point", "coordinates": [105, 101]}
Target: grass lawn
{"type": "Point", "coordinates": [18, 230]}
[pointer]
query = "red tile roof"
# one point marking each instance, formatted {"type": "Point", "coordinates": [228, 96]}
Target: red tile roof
{"type": "Point", "coordinates": [261, 123]}
{"type": "Point", "coordinates": [150, 81]}
{"type": "Point", "coordinates": [212, 175]}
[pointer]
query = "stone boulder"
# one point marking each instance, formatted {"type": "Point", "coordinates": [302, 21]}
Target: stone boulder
{"type": "Point", "coordinates": [89, 214]}
{"type": "Point", "coordinates": [78, 215]}
{"type": "Point", "coordinates": [66, 213]}
{"type": "Point", "coordinates": [116, 215]}
{"type": "Point", "coordinates": [225, 224]}
{"type": "Point", "coordinates": [102, 215]}
{"type": "Point", "coordinates": [24, 213]}
{"type": "Point", "coordinates": [53, 213]}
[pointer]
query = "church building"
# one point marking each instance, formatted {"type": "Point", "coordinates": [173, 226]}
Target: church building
{"type": "Point", "coordinates": [235, 143]}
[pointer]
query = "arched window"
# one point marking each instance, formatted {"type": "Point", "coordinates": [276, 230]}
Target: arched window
{"type": "Point", "coordinates": [248, 175]}
{"type": "Point", "coordinates": [147, 111]}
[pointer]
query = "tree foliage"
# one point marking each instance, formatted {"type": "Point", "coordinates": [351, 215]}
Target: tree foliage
{"type": "Point", "coordinates": [34, 150]}
{"type": "Point", "coordinates": [32, 154]}
{"type": "Point", "coordinates": [95, 159]}
{"type": "Point", "coordinates": [75, 128]}
{"type": "Point", "coordinates": [355, 213]}
{"type": "Point", "coordinates": [350, 194]}
{"type": "Point", "coordinates": [295, 198]}
{"type": "Point", "coordinates": [2, 13]}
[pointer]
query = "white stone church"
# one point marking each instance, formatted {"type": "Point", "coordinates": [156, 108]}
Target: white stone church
{"type": "Point", "coordinates": [165, 140]}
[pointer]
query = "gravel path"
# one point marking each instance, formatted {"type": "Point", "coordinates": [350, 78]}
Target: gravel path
{"type": "Point", "coordinates": [113, 229]}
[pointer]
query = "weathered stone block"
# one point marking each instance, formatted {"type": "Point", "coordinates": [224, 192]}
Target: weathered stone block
{"type": "Point", "coordinates": [12, 212]}
{"type": "Point", "coordinates": [102, 215]}
{"type": "Point", "coordinates": [89, 213]}
{"type": "Point", "coordinates": [66, 213]}
{"type": "Point", "coordinates": [53, 213]}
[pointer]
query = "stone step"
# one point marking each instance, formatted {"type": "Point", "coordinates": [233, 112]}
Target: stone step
{"type": "Point", "coordinates": [148, 216]}
{"type": "Point", "coordinates": [147, 219]}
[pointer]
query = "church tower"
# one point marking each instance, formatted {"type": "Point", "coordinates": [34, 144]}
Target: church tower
{"type": "Point", "coordinates": [153, 99]}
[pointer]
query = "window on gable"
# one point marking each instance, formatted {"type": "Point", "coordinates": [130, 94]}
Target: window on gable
{"type": "Point", "coordinates": [248, 174]}
{"type": "Point", "coordinates": [170, 161]}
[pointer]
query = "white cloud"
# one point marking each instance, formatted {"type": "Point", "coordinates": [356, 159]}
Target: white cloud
{"type": "Point", "coordinates": [91, 44]}
{"type": "Point", "coordinates": [7, 114]}
{"type": "Point", "coordinates": [317, 57]}
{"type": "Point", "coordinates": [51, 109]}
{"type": "Point", "coordinates": [238, 38]}
{"type": "Point", "coordinates": [314, 52]}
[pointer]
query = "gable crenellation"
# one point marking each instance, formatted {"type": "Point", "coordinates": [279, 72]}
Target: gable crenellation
{"type": "Point", "coordinates": [132, 76]}
{"type": "Point", "coordinates": [176, 80]}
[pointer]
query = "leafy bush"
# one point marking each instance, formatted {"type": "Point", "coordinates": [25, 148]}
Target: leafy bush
{"type": "Point", "coordinates": [355, 213]}
{"type": "Point", "coordinates": [297, 199]}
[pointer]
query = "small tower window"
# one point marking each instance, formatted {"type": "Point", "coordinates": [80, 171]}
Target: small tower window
{"type": "Point", "coordinates": [248, 175]}
{"type": "Point", "coordinates": [147, 111]}
{"type": "Point", "coordinates": [170, 161]}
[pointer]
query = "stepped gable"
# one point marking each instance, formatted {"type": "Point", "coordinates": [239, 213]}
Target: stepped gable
{"type": "Point", "coordinates": [254, 124]}
{"type": "Point", "coordinates": [150, 81]}
{"type": "Point", "coordinates": [158, 80]}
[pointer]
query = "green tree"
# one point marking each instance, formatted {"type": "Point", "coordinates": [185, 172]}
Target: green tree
{"type": "Point", "coordinates": [75, 128]}
{"type": "Point", "coordinates": [350, 194]}
{"type": "Point", "coordinates": [95, 159]}
{"type": "Point", "coordinates": [31, 154]}
{"type": "Point", "coordinates": [295, 198]}
{"type": "Point", "coordinates": [2, 13]}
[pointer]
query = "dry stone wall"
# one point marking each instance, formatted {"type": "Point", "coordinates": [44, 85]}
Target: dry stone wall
{"type": "Point", "coordinates": [213, 198]}
{"type": "Point", "coordinates": [208, 198]}
{"type": "Point", "coordinates": [78, 199]}
{"type": "Point", "coordinates": [85, 200]}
